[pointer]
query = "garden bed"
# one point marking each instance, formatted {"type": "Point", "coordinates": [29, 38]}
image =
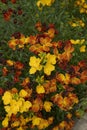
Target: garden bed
{"type": "Point", "coordinates": [43, 64]}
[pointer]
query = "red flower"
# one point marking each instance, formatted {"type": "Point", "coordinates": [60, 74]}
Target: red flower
{"type": "Point", "coordinates": [20, 11]}
{"type": "Point", "coordinates": [1, 91]}
{"type": "Point", "coordinates": [18, 65]}
{"type": "Point", "coordinates": [4, 1]}
{"type": "Point", "coordinates": [4, 71]}
{"type": "Point", "coordinates": [16, 79]}
{"type": "Point", "coordinates": [7, 14]}
{"type": "Point", "coordinates": [13, 1]}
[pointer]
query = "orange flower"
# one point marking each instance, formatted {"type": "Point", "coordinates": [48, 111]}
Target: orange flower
{"type": "Point", "coordinates": [4, 71]}
{"type": "Point", "coordinates": [18, 65]}
{"type": "Point", "coordinates": [63, 125]}
{"type": "Point", "coordinates": [75, 69]}
{"type": "Point", "coordinates": [16, 79]}
{"type": "Point", "coordinates": [13, 1]}
{"type": "Point", "coordinates": [56, 128]}
{"type": "Point", "coordinates": [38, 26]}
{"type": "Point", "coordinates": [83, 77]}
{"type": "Point", "coordinates": [37, 48]}
{"type": "Point", "coordinates": [65, 102]}
{"type": "Point", "coordinates": [25, 82]}
{"type": "Point", "coordinates": [7, 15]}
{"type": "Point", "coordinates": [14, 90]}
{"type": "Point", "coordinates": [33, 39]}
{"type": "Point", "coordinates": [37, 105]}
{"type": "Point", "coordinates": [65, 79]}
{"type": "Point", "coordinates": [66, 55]}
{"type": "Point", "coordinates": [69, 115]}
{"type": "Point", "coordinates": [51, 32]}
{"type": "Point", "coordinates": [12, 43]}
{"type": "Point", "coordinates": [75, 80]}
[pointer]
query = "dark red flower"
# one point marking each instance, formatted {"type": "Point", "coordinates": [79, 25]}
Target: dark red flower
{"type": "Point", "coordinates": [18, 65]}
{"type": "Point", "coordinates": [1, 91]}
{"type": "Point", "coordinates": [4, 1]}
{"type": "Point", "coordinates": [13, 1]}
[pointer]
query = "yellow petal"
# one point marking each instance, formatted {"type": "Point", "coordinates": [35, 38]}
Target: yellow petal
{"type": "Point", "coordinates": [40, 89]}
{"type": "Point", "coordinates": [83, 48]}
{"type": "Point", "coordinates": [32, 70]}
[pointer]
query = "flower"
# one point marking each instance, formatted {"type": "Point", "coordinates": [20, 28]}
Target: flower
{"type": "Point", "coordinates": [48, 68]}
{"type": "Point", "coordinates": [45, 2]}
{"type": "Point", "coordinates": [40, 89]}
{"type": "Point", "coordinates": [35, 64]}
{"type": "Point", "coordinates": [15, 124]}
{"type": "Point", "coordinates": [20, 128]}
{"type": "Point", "coordinates": [7, 97]}
{"type": "Point", "coordinates": [51, 59]}
{"type": "Point", "coordinates": [14, 107]}
{"type": "Point", "coordinates": [37, 105]}
{"type": "Point", "coordinates": [4, 71]}
{"type": "Point", "coordinates": [10, 62]}
{"type": "Point", "coordinates": [43, 124]}
{"type": "Point", "coordinates": [63, 78]}
{"type": "Point", "coordinates": [25, 106]}
{"type": "Point", "coordinates": [23, 93]}
{"type": "Point", "coordinates": [77, 41]}
{"type": "Point", "coordinates": [36, 121]}
{"type": "Point", "coordinates": [5, 122]}
{"type": "Point", "coordinates": [1, 91]}
{"type": "Point", "coordinates": [83, 48]}
{"type": "Point", "coordinates": [47, 106]}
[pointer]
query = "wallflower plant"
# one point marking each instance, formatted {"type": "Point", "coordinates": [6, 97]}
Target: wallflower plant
{"type": "Point", "coordinates": [47, 98]}
{"type": "Point", "coordinates": [43, 69]}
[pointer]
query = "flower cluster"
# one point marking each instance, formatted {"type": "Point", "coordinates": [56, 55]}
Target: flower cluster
{"type": "Point", "coordinates": [14, 103]}
{"type": "Point", "coordinates": [48, 62]}
{"type": "Point", "coordinates": [45, 2]}
{"type": "Point", "coordinates": [77, 23]}
{"type": "Point", "coordinates": [46, 96]}
{"type": "Point", "coordinates": [82, 6]}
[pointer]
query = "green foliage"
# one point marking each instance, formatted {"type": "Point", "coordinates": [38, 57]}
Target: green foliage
{"type": "Point", "coordinates": [60, 13]}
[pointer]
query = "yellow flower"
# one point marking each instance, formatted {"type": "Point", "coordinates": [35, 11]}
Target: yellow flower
{"type": "Point", "coordinates": [75, 41]}
{"type": "Point", "coordinates": [5, 122]}
{"type": "Point", "coordinates": [56, 128]}
{"type": "Point", "coordinates": [45, 2]}
{"type": "Point", "coordinates": [20, 102]}
{"type": "Point", "coordinates": [35, 64]}
{"type": "Point", "coordinates": [48, 68]}
{"type": "Point", "coordinates": [23, 93]}
{"type": "Point", "coordinates": [51, 59]}
{"type": "Point", "coordinates": [10, 62]}
{"type": "Point", "coordinates": [40, 89]}
{"type": "Point", "coordinates": [83, 48]}
{"type": "Point", "coordinates": [8, 110]}
{"type": "Point", "coordinates": [7, 98]}
{"type": "Point", "coordinates": [26, 106]}
{"type": "Point", "coordinates": [82, 41]}
{"type": "Point", "coordinates": [74, 25]}
{"type": "Point", "coordinates": [14, 106]}
{"type": "Point", "coordinates": [47, 106]}
{"type": "Point", "coordinates": [78, 41]}
{"type": "Point", "coordinates": [82, 10]}
{"type": "Point", "coordinates": [36, 121]}
{"type": "Point", "coordinates": [15, 124]}
{"type": "Point", "coordinates": [43, 124]}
